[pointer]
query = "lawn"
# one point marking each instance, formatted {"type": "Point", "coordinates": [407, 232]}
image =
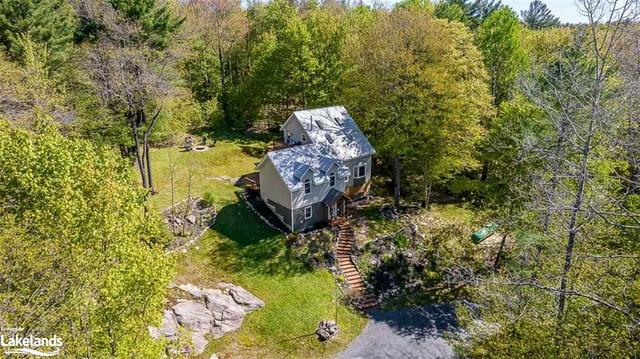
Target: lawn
{"type": "Point", "coordinates": [241, 249]}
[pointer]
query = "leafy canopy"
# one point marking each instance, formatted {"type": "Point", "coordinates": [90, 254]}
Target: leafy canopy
{"type": "Point", "coordinates": [79, 256]}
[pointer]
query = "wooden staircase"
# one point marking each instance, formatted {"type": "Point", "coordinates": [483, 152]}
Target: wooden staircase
{"type": "Point", "coordinates": [346, 238]}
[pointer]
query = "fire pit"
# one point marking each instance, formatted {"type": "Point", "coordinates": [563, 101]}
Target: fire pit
{"type": "Point", "coordinates": [200, 148]}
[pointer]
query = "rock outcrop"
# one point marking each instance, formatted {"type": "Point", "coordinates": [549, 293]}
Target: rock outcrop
{"type": "Point", "coordinates": [207, 312]}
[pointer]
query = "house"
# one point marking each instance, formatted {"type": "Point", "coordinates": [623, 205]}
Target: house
{"type": "Point", "coordinates": [326, 162]}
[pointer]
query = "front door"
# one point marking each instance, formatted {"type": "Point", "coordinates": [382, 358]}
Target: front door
{"type": "Point", "coordinates": [333, 211]}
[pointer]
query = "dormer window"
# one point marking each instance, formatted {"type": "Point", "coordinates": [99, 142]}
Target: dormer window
{"type": "Point", "coordinates": [307, 186]}
{"type": "Point", "coordinates": [332, 179]}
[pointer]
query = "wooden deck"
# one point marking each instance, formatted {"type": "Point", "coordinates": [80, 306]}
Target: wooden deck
{"type": "Point", "coordinates": [251, 181]}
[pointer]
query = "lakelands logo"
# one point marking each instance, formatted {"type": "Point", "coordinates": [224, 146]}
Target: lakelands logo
{"type": "Point", "coordinates": [31, 345]}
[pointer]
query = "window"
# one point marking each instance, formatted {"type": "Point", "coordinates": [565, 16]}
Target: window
{"type": "Point", "coordinates": [304, 138]}
{"type": "Point", "coordinates": [332, 179]}
{"type": "Point", "coordinates": [359, 171]}
{"type": "Point", "coordinates": [307, 212]}
{"type": "Point", "coordinates": [288, 137]}
{"type": "Point", "coordinates": [307, 186]}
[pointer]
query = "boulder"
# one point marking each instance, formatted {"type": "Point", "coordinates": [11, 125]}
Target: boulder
{"type": "Point", "coordinates": [326, 330]}
{"type": "Point", "coordinates": [194, 316]}
{"type": "Point", "coordinates": [191, 218]}
{"type": "Point", "coordinates": [199, 342]}
{"type": "Point", "coordinates": [169, 326]}
{"type": "Point", "coordinates": [227, 314]}
{"type": "Point", "coordinates": [191, 289]}
{"type": "Point", "coordinates": [244, 298]}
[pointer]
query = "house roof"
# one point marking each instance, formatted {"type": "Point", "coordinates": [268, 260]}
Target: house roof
{"type": "Point", "coordinates": [294, 162]}
{"type": "Point", "coordinates": [332, 197]}
{"type": "Point", "coordinates": [334, 128]}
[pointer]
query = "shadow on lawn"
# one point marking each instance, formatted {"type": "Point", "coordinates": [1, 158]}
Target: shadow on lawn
{"type": "Point", "coordinates": [252, 246]}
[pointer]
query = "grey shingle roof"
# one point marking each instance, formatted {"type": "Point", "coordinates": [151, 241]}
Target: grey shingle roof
{"type": "Point", "coordinates": [334, 128]}
{"type": "Point", "coordinates": [332, 197]}
{"type": "Point", "coordinates": [292, 163]}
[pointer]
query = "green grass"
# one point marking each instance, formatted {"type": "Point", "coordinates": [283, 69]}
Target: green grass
{"type": "Point", "coordinates": [241, 249]}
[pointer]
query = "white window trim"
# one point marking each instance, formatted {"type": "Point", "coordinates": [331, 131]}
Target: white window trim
{"type": "Point", "coordinates": [356, 170]}
{"type": "Point", "coordinates": [305, 186]}
{"type": "Point", "coordinates": [310, 212]}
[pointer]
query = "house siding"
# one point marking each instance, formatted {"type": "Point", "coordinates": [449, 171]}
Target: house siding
{"type": "Point", "coordinates": [283, 211]}
{"type": "Point", "coordinates": [296, 130]}
{"type": "Point", "coordinates": [318, 215]}
{"type": "Point", "coordinates": [318, 191]}
{"type": "Point", "coordinates": [355, 184]}
{"type": "Point", "coordinates": [274, 190]}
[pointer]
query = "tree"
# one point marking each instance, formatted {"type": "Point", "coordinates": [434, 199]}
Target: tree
{"type": "Point", "coordinates": [474, 12]}
{"type": "Point", "coordinates": [420, 107]}
{"type": "Point", "coordinates": [79, 256]}
{"type": "Point", "coordinates": [130, 76]}
{"type": "Point", "coordinates": [50, 23]}
{"type": "Point", "coordinates": [281, 76]}
{"type": "Point", "coordinates": [572, 289]}
{"type": "Point", "coordinates": [539, 16]}
{"type": "Point", "coordinates": [498, 40]}
{"type": "Point", "coordinates": [29, 90]}
{"type": "Point", "coordinates": [224, 26]}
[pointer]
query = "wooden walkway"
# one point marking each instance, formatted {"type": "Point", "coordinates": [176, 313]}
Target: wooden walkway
{"type": "Point", "coordinates": [346, 238]}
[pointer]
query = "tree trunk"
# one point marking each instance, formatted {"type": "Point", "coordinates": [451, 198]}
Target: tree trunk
{"type": "Point", "coordinates": [136, 151]}
{"type": "Point", "coordinates": [496, 263]}
{"type": "Point", "coordinates": [224, 98]}
{"type": "Point", "coordinates": [485, 172]}
{"type": "Point", "coordinates": [396, 181]}
{"type": "Point", "coordinates": [147, 155]}
{"type": "Point", "coordinates": [575, 210]}
{"type": "Point", "coordinates": [427, 195]}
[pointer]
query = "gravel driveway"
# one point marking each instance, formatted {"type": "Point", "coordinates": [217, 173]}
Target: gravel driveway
{"type": "Point", "coordinates": [405, 333]}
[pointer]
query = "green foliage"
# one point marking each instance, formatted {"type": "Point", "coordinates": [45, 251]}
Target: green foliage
{"type": "Point", "coordinates": [180, 114]}
{"type": "Point", "coordinates": [296, 61]}
{"type": "Point", "coordinates": [498, 40]}
{"type": "Point", "coordinates": [81, 258]}
{"type": "Point", "coordinates": [518, 125]}
{"type": "Point", "coordinates": [156, 18]}
{"type": "Point", "coordinates": [201, 73]}
{"type": "Point", "coordinates": [538, 16]}
{"type": "Point", "coordinates": [422, 5]}
{"type": "Point", "coordinates": [49, 23]}
{"type": "Point", "coordinates": [450, 11]}
{"type": "Point", "coordinates": [470, 12]}
{"type": "Point", "coordinates": [414, 93]}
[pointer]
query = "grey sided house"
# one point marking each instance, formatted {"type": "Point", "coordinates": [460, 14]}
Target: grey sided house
{"type": "Point", "coordinates": [325, 162]}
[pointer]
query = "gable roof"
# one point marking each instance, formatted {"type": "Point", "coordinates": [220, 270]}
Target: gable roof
{"type": "Point", "coordinates": [294, 162]}
{"type": "Point", "coordinates": [334, 128]}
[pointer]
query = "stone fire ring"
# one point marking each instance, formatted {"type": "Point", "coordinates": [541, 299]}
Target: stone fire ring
{"type": "Point", "coordinates": [200, 148]}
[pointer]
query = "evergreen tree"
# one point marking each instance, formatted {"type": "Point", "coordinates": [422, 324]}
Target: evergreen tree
{"type": "Point", "coordinates": [47, 22]}
{"type": "Point", "coordinates": [539, 16]}
{"type": "Point", "coordinates": [474, 12]}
